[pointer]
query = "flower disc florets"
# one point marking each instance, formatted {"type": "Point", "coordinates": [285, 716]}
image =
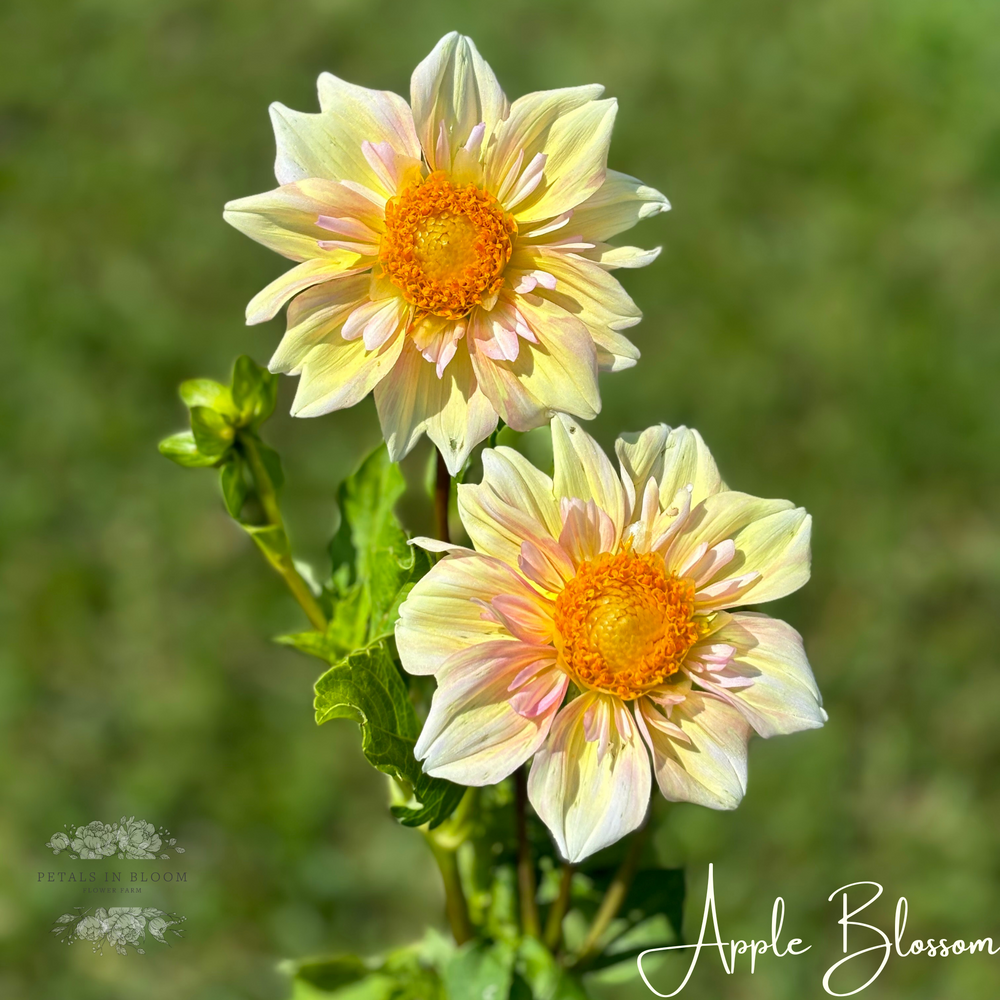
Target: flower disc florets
{"type": "Point", "coordinates": [445, 247]}
{"type": "Point", "coordinates": [625, 623]}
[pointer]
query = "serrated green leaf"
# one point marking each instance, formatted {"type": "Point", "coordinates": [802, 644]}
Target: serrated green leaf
{"type": "Point", "coordinates": [366, 686]}
{"type": "Point", "coordinates": [212, 432]}
{"type": "Point", "coordinates": [479, 969]}
{"type": "Point", "coordinates": [370, 548]}
{"type": "Point", "coordinates": [233, 483]}
{"type": "Point", "coordinates": [183, 449]}
{"type": "Point", "coordinates": [207, 392]}
{"type": "Point", "coordinates": [254, 391]}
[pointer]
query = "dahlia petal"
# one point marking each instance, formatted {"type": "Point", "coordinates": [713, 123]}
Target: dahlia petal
{"type": "Point", "coordinates": [285, 219]}
{"type": "Point", "coordinates": [495, 526]}
{"type": "Point", "coordinates": [525, 184]}
{"type": "Point", "coordinates": [618, 204]}
{"type": "Point", "coordinates": [612, 258]}
{"type": "Point", "coordinates": [574, 135]}
{"type": "Point", "coordinates": [640, 458]}
{"type": "Point", "coordinates": [523, 134]}
{"type": "Point", "coordinates": [526, 617]}
{"type": "Point", "coordinates": [587, 530]}
{"type": "Point", "coordinates": [375, 321]}
{"type": "Point", "coordinates": [338, 373]}
{"type": "Point", "coordinates": [268, 301]}
{"type": "Point", "coordinates": [589, 799]}
{"type": "Point", "coordinates": [440, 616]}
{"type": "Point", "coordinates": [582, 470]}
{"type": "Point", "coordinates": [473, 735]}
{"type": "Point", "coordinates": [329, 144]}
{"type": "Point", "coordinates": [452, 92]}
{"type": "Point", "coordinates": [590, 293]}
{"type": "Point", "coordinates": [316, 315]}
{"type": "Point", "coordinates": [545, 562]}
{"type": "Point", "coordinates": [709, 765]}
{"type": "Point", "coordinates": [543, 693]}
{"type": "Point", "coordinates": [453, 411]}
{"type": "Point", "coordinates": [389, 166]}
{"type": "Point", "coordinates": [556, 374]}
{"type": "Point", "coordinates": [518, 483]}
{"type": "Point", "coordinates": [776, 691]}
{"type": "Point", "coordinates": [776, 547]}
{"type": "Point", "coordinates": [437, 340]}
{"type": "Point", "coordinates": [687, 460]}
{"type": "Point", "coordinates": [352, 229]}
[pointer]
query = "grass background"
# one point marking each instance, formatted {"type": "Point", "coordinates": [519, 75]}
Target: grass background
{"type": "Point", "coordinates": [824, 311]}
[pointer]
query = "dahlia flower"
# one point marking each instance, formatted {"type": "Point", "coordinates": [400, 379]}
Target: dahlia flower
{"type": "Point", "coordinates": [592, 628]}
{"type": "Point", "coordinates": [452, 253]}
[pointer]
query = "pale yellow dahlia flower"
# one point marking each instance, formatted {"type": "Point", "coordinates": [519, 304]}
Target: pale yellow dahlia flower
{"type": "Point", "coordinates": [452, 252]}
{"type": "Point", "coordinates": [614, 588]}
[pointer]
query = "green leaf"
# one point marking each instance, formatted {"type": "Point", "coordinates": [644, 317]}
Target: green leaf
{"type": "Point", "coordinates": [182, 449]}
{"type": "Point", "coordinates": [271, 461]}
{"type": "Point", "coordinates": [366, 686]}
{"type": "Point", "coordinates": [207, 392]}
{"type": "Point", "coordinates": [480, 970]}
{"type": "Point", "coordinates": [545, 978]}
{"type": "Point", "coordinates": [272, 541]}
{"type": "Point", "coordinates": [212, 432]}
{"type": "Point", "coordinates": [234, 485]}
{"type": "Point", "coordinates": [254, 391]}
{"type": "Point", "coordinates": [331, 973]}
{"type": "Point", "coordinates": [370, 548]}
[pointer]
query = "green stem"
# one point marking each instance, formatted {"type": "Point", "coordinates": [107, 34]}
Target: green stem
{"type": "Point", "coordinates": [454, 897]}
{"type": "Point", "coordinates": [553, 924]}
{"type": "Point", "coordinates": [268, 495]}
{"type": "Point", "coordinates": [526, 886]}
{"type": "Point", "coordinates": [615, 894]}
{"type": "Point", "coordinates": [442, 499]}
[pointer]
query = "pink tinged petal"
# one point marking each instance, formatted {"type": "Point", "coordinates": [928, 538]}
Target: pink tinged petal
{"type": "Point", "coordinates": [496, 527]}
{"type": "Point", "coordinates": [541, 695]}
{"type": "Point", "coordinates": [351, 228]}
{"type": "Point", "coordinates": [475, 140]}
{"type": "Point", "coordinates": [643, 529]}
{"type": "Point", "coordinates": [587, 530]}
{"type": "Point", "coordinates": [619, 203]}
{"type": "Point", "coordinates": [590, 794]}
{"type": "Point", "coordinates": [338, 373]}
{"type": "Point", "coordinates": [518, 483]}
{"type": "Point", "coordinates": [315, 316]}
{"type": "Point", "coordinates": [590, 293]}
{"type": "Point", "coordinates": [670, 522]}
{"type": "Point", "coordinates": [546, 562]}
{"type": "Point", "coordinates": [389, 166]}
{"type": "Point", "coordinates": [441, 616]}
{"type": "Point", "coordinates": [725, 593]}
{"type": "Point", "coordinates": [266, 304]}
{"type": "Point", "coordinates": [551, 226]}
{"type": "Point", "coordinates": [473, 734]}
{"type": "Point", "coordinates": [329, 144]}
{"type": "Point", "coordinates": [704, 563]}
{"type": "Point", "coordinates": [557, 374]}
{"type": "Point", "coordinates": [582, 470]}
{"type": "Point", "coordinates": [528, 281]}
{"type": "Point", "coordinates": [453, 410]}
{"type": "Point", "coordinates": [452, 92]}
{"type": "Point", "coordinates": [524, 185]}
{"type": "Point", "coordinates": [526, 617]}
{"type": "Point", "coordinates": [687, 461]}
{"type": "Point", "coordinates": [496, 332]}
{"type": "Point", "coordinates": [573, 130]}
{"type": "Point", "coordinates": [708, 766]}
{"type": "Point", "coordinates": [375, 321]}
{"type": "Point", "coordinates": [437, 340]}
{"type": "Point", "coordinates": [284, 220]}
{"type": "Point", "coordinates": [766, 677]}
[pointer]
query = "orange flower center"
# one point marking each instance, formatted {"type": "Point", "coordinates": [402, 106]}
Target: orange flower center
{"type": "Point", "coordinates": [626, 624]}
{"type": "Point", "coordinates": [445, 247]}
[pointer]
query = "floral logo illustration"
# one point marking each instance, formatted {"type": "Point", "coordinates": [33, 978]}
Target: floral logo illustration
{"type": "Point", "coordinates": [130, 839]}
{"type": "Point", "coordinates": [118, 927]}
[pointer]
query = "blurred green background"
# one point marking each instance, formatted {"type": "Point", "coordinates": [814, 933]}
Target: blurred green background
{"type": "Point", "coordinates": [825, 312]}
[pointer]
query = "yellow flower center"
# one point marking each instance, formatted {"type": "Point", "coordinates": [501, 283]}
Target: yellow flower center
{"type": "Point", "coordinates": [625, 624]}
{"type": "Point", "coordinates": [445, 247]}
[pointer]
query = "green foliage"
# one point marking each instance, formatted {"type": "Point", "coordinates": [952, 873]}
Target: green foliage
{"type": "Point", "coordinates": [366, 686]}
